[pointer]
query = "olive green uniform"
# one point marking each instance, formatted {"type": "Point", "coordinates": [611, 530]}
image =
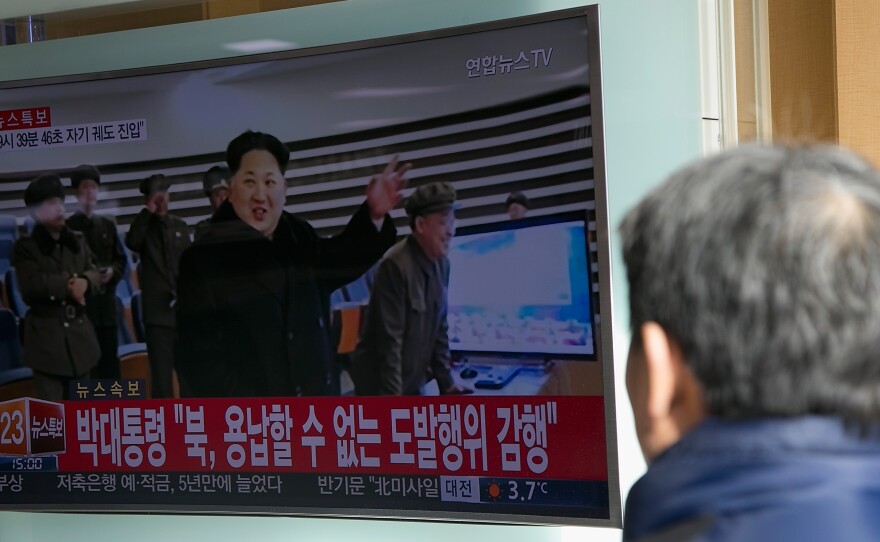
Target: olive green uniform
{"type": "Point", "coordinates": [404, 340]}
{"type": "Point", "coordinates": [59, 340]}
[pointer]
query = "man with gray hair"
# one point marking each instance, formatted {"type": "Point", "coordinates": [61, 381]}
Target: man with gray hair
{"type": "Point", "coordinates": [753, 370]}
{"type": "Point", "coordinates": [404, 342]}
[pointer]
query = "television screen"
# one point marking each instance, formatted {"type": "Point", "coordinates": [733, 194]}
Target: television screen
{"type": "Point", "coordinates": [522, 288]}
{"type": "Point", "coordinates": [279, 323]}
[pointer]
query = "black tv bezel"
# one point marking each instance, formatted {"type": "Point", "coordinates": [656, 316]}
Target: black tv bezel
{"type": "Point", "coordinates": [591, 14]}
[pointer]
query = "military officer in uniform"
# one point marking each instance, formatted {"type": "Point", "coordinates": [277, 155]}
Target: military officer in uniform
{"type": "Point", "coordinates": [101, 235]}
{"type": "Point", "coordinates": [216, 186]}
{"type": "Point", "coordinates": [159, 238]}
{"type": "Point", "coordinates": [56, 274]}
{"type": "Point", "coordinates": [517, 205]}
{"type": "Point", "coordinates": [404, 341]}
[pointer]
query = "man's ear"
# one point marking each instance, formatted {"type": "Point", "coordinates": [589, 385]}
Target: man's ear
{"type": "Point", "coordinates": [660, 369]}
{"type": "Point", "coordinates": [674, 402]}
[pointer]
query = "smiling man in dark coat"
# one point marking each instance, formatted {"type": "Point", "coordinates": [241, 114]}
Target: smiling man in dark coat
{"type": "Point", "coordinates": [254, 291]}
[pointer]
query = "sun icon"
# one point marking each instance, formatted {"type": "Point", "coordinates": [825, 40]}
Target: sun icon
{"type": "Point", "coordinates": [494, 491]}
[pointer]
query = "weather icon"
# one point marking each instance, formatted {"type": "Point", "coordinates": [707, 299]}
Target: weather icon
{"type": "Point", "coordinates": [494, 491]}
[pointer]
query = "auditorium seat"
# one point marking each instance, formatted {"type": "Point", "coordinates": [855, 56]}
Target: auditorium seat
{"type": "Point", "coordinates": [17, 383]}
{"type": "Point", "coordinates": [10, 347]}
{"type": "Point", "coordinates": [16, 380]}
{"type": "Point", "coordinates": [350, 326]}
{"type": "Point", "coordinates": [135, 363]}
{"type": "Point", "coordinates": [132, 348]}
{"type": "Point", "coordinates": [336, 299]}
{"type": "Point", "coordinates": [8, 227]}
{"type": "Point", "coordinates": [358, 291]}
{"type": "Point", "coordinates": [5, 255]}
{"type": "Point", "coordinates": [345, 330]}
{"type": "Point", "coordinates": [125, 333]}
{"type": "Point", "coordinates": [370, 275]}
{"type": "Point", "coordinates": [13, 294]}
{"type": "Point", "coordinates": [128, 285]}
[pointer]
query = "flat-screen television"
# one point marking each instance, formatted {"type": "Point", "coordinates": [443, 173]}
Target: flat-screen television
{"type": "Point", "coordinates": [523, 288]}
{"type": "Point", "coordinates": [333, 362]}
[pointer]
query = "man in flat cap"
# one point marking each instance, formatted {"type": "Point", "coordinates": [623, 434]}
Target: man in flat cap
{"type": "Point", "coordinates": [404, 341]}
{"type": "Point", "coordinates": [216, 186]}
{"type": "Point", "coordinates": [517, 205]}
{"type": "Point", "coordinates": [159, 238]}
{"type": "Point", "coordinates": [56, 274]}
{"type": "Point", "coordinates": [255, 288]}
{"type": "Point", "coordinates": [101, 235]}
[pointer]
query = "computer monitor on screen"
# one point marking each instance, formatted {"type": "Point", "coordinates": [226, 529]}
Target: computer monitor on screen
{"type": "Point", "coordinates": [523, 288]}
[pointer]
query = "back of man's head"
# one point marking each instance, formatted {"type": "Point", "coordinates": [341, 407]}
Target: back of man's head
{"type": "Point", "coordinates": [763, 265]}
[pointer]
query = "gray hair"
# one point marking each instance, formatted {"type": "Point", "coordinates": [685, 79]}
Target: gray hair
{"type": "Point", "coordinates": [763, 263]}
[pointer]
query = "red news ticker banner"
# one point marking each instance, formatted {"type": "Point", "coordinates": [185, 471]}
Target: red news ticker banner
{"type": "Point", "coordinates": [550, 437]}
{"type": "Point", "coordinates": [20, 119]}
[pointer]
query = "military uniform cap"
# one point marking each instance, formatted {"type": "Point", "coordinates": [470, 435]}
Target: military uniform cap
{"type": "Point", "coordinates": [153, 184]}
{"type": "Point", "coordinates": [82, 173]}
{"type": "Point", "coordinates": [216, 177]}
{"type": "Point", "coordinates": [517, 197]}
{"type": "Point", "coordinates": [431, 198]}
{"type": "Point", "coordinates": [42, 188]}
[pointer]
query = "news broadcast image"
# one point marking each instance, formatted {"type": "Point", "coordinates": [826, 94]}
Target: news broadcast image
{"type": "Point", "coordinates": [334, 365]}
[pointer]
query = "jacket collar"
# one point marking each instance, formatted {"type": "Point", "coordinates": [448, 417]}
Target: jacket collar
{"type": "Point", "coordinates": [80, 216]}
{"type": "Point", "coordinates": [226, 226]}
{"type": "Point", "coordinates": [729, 467]}
{"type": "Point", "coordinates": [47, 243]}
{"type": "Point", "coordinates": [426, 264]}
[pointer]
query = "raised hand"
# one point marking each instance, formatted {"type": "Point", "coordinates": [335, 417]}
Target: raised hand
{"type": "Point", "coordinates": [383, 191]}
{"type": "Point", "coordinates": [158, 203]}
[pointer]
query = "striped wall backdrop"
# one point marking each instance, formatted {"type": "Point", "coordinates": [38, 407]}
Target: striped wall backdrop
{"type": "Point", "coordinates": [541, 146]}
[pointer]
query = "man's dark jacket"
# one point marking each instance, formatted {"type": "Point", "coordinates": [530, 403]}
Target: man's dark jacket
{"type": "Point", "coordinates": [253, 312]}
{"type": "Point", "coordinates": [103, 239]}
{"type": "Point", "coordinates": [802, 479]}
{"type": "Point", "coordinates": [159, 241]}
{"type": "Point", "coordinates": [58, 337]}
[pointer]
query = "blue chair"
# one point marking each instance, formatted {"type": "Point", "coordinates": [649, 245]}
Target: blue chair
{"type": "Point", "coordinates": [358, 291]}
{"type": "Point", "coordinates": [10, 347]}
{"type": "Point", "coordinates": [126, 287]}
{"type": "Point", "coordinates": [11, 376]}
{"type": "Point", "coordinates": [123, 333]}
{"type": "Point", "coordinates": [370, 276]}
{"type": "Point", "coordinates": [336, 299]}
{"type": "Point", "coordinates": [8, 227]}
{"type": "Point", "coordinates": [13, 294]}
{"type": "Point", "coordinates": [123, 289]}
{"type": "Point", "coordinates": [132, 256]}
{"type": "Point", "coordinates": [137, 315]}
{"type": "Point", "coordinates": [5, 255]}
{"type": "Point", "coordinates": [126, 350]}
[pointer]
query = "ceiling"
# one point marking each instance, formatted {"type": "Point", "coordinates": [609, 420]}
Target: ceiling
{"type": "Point", "coordinates": [21, 8]}
{"type": "Point", "coordinates": [73, 18]}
